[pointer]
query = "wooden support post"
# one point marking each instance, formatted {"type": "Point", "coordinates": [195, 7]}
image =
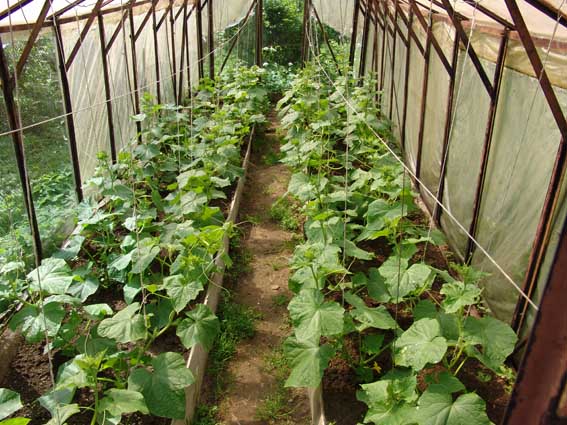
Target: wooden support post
{"type": "Point", "coordinates": [259, 31]}
{"type": "Point", "coordinates": [211, 39]}
{"type": "Point", "coordinates": [189, 88]}
{"type": "Point", "coordinates": [173, 53]}
{"type": "Point", "coordinates": [325, 36]}
{"type": "Point", "coordinates": [156, 55]}
{"type": "Point", "coordinates": [32, 39]}
{"type": "Point", "coordinates": [487, 143]}
{"type": "Point", "coordinates": [83, 34]}
{"type": "Point", "coordinates": [200, 59]}
{"type": "Point", "coordinates": [383, 56]}
{"type": "Point", "coordinates": [135, 73]}
{"type": "Point", "coordinates": [426, 27]}
{"type": "Point", "coordinates": [235, 39]}
{"type": "Point", "coordinates": [472, 53]}
{"type": "Point", "coordinates": [538, 394]}
{"type": "Point", "coordinates": [423, 108]}
{"type": "Point", "coordinates": [182, 60]}
{"type": "Point", "coordinates": [107, 92]}
{"type": "Point", "coordinates": [406, 82]}
{"type": "Point", "coordinates": [364, 47]}
{"type": "Point", "coordinates": [69, 112]}
{"type": "Point", "coordinates": [304, 29]}
{"type": "Point", "coordinates": [437, 210]}
{"type": "Point", "coordinates": [15, 124]}
{"type": "Point", "coordinates": [393, 66]}
{"type": "Point", "coordinates": [354, 33]}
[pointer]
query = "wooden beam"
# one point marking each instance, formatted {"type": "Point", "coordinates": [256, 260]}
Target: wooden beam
{"type": "Point", "coordinates": [15, 125]}
{"type": "Point", "coordinates": [83, 34]}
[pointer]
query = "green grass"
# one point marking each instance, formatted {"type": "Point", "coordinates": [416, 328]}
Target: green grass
{"type": "Point", "coordinates": [241, 258]}
{"type": "Point", "coordinates": [286, 212]}
{"type": "Point", "coordinates": [280, 300]}
{"type": "Point", "coordinates": [275, 406]}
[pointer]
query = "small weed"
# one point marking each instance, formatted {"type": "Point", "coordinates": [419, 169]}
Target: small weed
{"type": "Point", "coordinates": [237, 323]}
{"type": "Point", "coordinates": [275, 406]}
{"type": "Point", "coordinates": [252, 219]}
{"type": "Point", "coordinates": [271, 158]}
{"type": "Point", "coordinates": [509, 375]}
{"type": "Point", "coordinates": [280, 300]}
{"type": "Point", "coordinates": [295, 240]}
{"type": "Point", "coordinates": [286, 212]}
{"type": "Point", "coordinates": [206, 415]}
{"type": "Point", "coordinates": [483, 376]}
{"type": "Point", "coordinates": [241, 258]}
{"type": "Point", "coordinates": [278, 266]}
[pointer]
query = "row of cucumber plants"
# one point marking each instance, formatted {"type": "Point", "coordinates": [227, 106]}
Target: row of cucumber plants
{"type": "Point", "coordinates": [355, 195]}
{"type": "Point", "coordinates": [151, 247]}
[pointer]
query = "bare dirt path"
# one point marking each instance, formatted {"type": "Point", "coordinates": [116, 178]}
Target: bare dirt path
{"type": "Point", "coordinates": [255, 394]}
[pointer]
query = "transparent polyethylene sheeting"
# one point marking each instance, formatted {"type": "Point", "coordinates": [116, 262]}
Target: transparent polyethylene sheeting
{"type": "Point", "coordinates": [522, 155]}
{"type": "Point", "coordinates": [523, 152]}
{"type": "Point", "coordinates": [337, 14]}
{"type": "Point", "coordinates": [86, 86]}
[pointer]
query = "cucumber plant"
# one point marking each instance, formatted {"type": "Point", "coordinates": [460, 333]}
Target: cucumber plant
{"type": "Point", "coordinates": [149, 235]}
{"type": "Point", "coordinates": [356, 195]}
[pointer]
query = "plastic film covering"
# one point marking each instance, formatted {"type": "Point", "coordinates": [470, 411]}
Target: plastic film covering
{"type": "Point", "coordinates": [415, 83]}
{"type": "Point", "coordinates": [86, 86]}
{"type": "Point", "coordinates": [387, 74]}
{"type": "Point", "coordinates": [399, 80]}
{"type": "Point", "coordinates": [521, 159]}
{"type": "Point", "coordinates": [435, 114]}
{"type": "Point", "coordinates": [338, 14]}
{"type": "Point", "coordinates": [119, 62]}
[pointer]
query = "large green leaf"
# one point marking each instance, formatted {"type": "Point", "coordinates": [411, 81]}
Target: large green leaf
{"type": "Point", "coordinates": [496, 337]}
{"type": "Point", "coordinates": [84, 288]}
{"type": "Point", "coordinates": [144, 254]}
{"type": "Point", "coordinates": [300, 187]}
{"type": "Point", "coordinates": [117, 402]}
{"type": "Point", "coordinates": [9, 402]}
{"type": "Point", "coordinates": [35, 321]}
{"type": "Point", "coordinates": [377, 287]}
{"type": "Point", "coordinates": [369, 317]}
{"type": "Point", "coordinates": [125, 326]}
{"type": "Point", "coordinates": [200, 327]}
{"type": "Point", "coordinates": [16, 421]}
{"type": "Point", "coordinates": [421, 344]}
{"type": "Point", "coordinates": [391, 399]}
{"type": "Point", "coordinates": [312, 317]}
{"type": "Point", "coordinates": [183, 289]}
{"type": "Point", "coordinates": [163, 388]}
{"type": "Point", "coordinates": [62, 413]}
{"type": "Point", "coordinates": [308, 362]}
{"type": "Point", "coordinates": [401, 280]}
{"type": "Point", "coordinates": [438, 408]}
{"type": "Point", "coordinates": [458, 295]}
{"type": "Point", "coordinates": [53, 276]}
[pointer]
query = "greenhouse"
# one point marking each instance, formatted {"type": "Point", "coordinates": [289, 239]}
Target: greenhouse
{"type": "Point", "coordinates": [326, 212]}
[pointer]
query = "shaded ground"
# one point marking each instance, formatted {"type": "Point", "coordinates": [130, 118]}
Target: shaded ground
{"type": "Point", "coordinates": [255, 395]}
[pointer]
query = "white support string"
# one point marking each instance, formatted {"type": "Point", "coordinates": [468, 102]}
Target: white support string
{"type": "Point", "coordinates": [426, 189]}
